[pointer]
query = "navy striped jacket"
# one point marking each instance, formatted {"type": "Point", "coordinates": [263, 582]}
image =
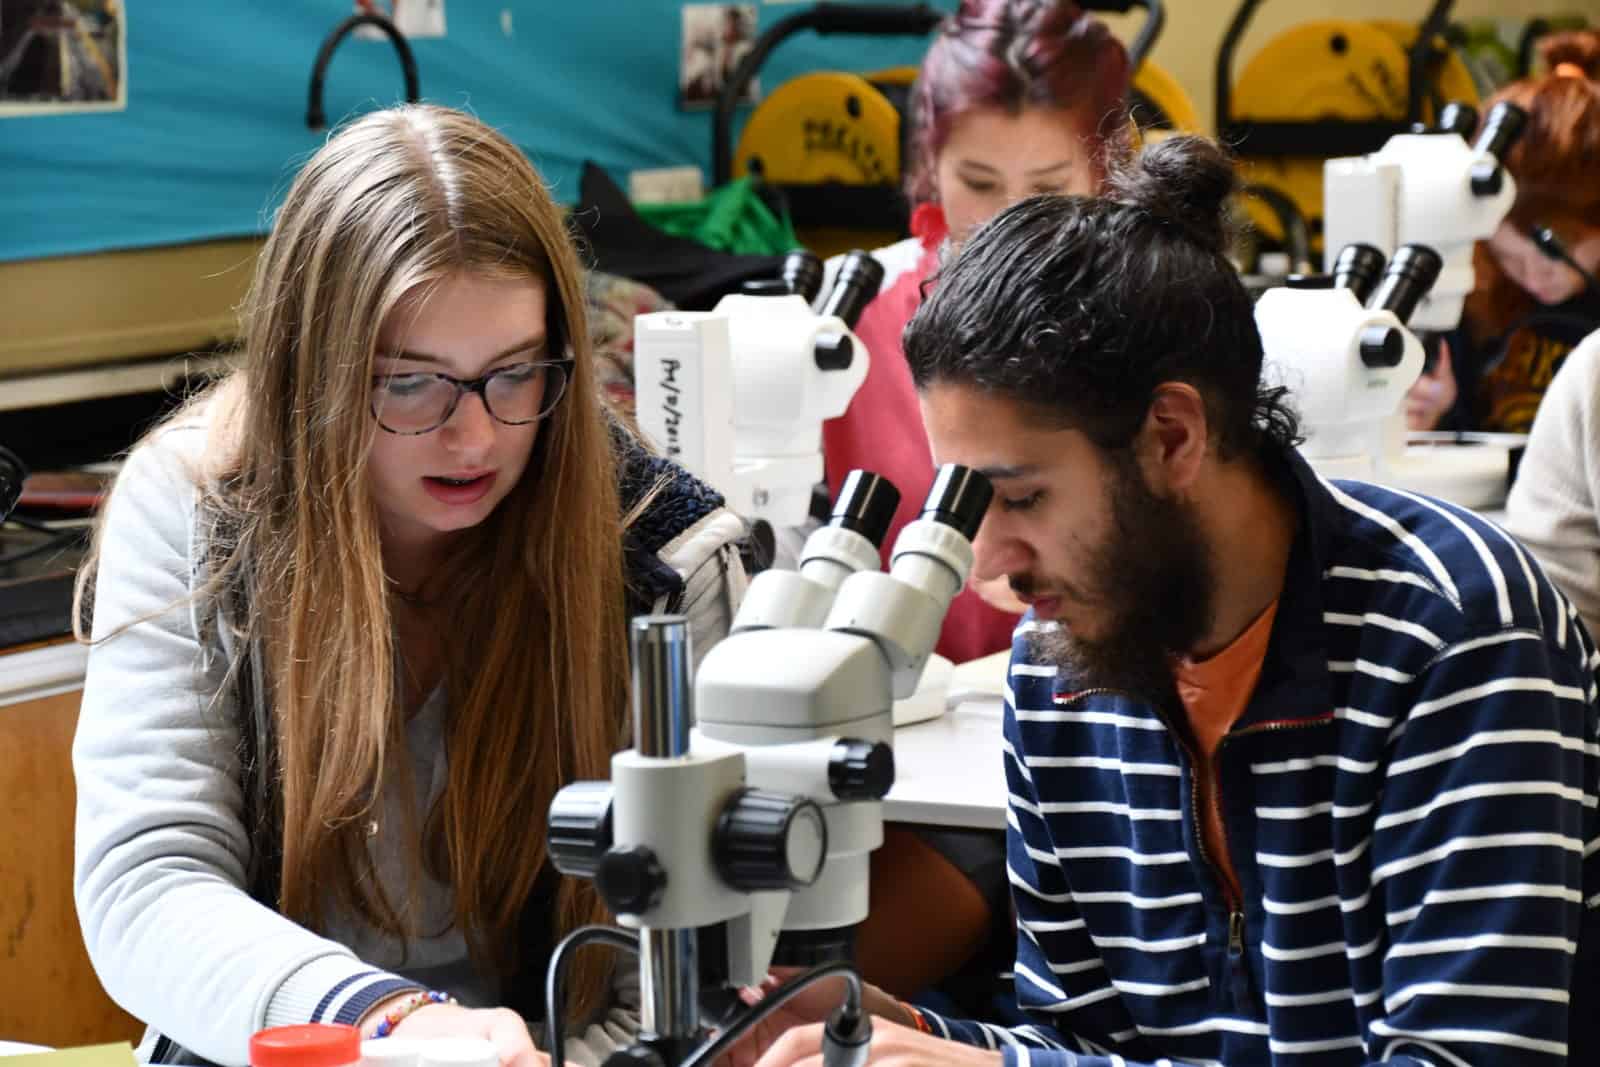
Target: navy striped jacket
{"type": "Point", "coordinates": [1409, 800]}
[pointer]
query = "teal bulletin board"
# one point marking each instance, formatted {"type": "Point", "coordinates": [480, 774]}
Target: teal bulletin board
{"type": "Point", "coordinates": [214, 122]}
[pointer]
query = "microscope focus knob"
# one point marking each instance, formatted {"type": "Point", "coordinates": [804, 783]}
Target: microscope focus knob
{"type": "Point", "coordinates": [833, 351]}
{"type": "Point", "coordinates": [768, 840]}
{"type": "Point", "coordinates": [1382, 346]}
{"type": "Point", "coordinates": [580, 828]}
{"type": "Point", "coordinates": [861, 770]}
{"type": "Point", "coordinates": [631, 880]}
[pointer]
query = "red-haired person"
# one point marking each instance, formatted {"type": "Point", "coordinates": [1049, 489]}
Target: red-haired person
{"type": "Point", "coordinates": [1529, 309]}
{"type": "Point", "coordinates": [1014, 98]}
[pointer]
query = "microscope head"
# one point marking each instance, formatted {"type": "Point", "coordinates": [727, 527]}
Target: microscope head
{"type": "Point", "coordinates": [738, 395]}
{"type": "Point", "coordinates": [1431, 188]}
{"type": "Point", "coordinates": [1339, 343]}
{"type": "Point", "coordinates": [760, 820]}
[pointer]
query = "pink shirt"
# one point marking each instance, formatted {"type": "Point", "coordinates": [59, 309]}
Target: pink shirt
{"type": "Point", "coordinates": [882, 432]}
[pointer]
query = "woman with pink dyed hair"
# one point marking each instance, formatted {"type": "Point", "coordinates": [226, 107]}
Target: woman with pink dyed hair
{"type": "Point", "coordinates": [1014, 98]}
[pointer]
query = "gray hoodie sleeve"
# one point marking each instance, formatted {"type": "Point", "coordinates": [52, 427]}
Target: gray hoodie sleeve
{"type": "Point", "coordinates": [161, 846]}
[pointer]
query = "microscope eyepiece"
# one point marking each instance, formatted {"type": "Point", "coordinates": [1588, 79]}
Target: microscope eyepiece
{"type": "Point", "coordinates": [866, 504]}
{"type": "Point", "coordinates": [854, 287]}
{"type": "Point", "coordinates": [13, 472]}
{"type": "Point", "coordinates": [1358, 269]}
{"type": "Point", "coordinates": [959, 498]}
{"type": "Point", "coordinates": [1501, 129]}
{"type": "Point", "coordinates": [802, 273]}
{"type": "Point", "coordinates": [1411, 273]}
{"type": "Point", "coordinates": [1457, 117]}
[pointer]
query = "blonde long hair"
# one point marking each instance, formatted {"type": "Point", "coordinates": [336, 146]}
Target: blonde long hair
{"type": "Point", "coordinates": [397, 200]}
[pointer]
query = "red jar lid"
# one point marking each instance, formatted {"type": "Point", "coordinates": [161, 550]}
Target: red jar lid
{"type": "Point", "coordinates": [310, 1045]}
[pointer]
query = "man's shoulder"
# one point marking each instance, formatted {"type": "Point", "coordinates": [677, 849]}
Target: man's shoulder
{"type": "Point", "coordinates": [1412, 559]}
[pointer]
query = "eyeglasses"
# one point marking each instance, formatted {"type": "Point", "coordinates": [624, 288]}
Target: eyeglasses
{"type": "Point", "coordinates": [516, 395]}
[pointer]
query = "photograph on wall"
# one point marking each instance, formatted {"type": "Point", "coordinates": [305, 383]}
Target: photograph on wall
{"type": "Point", "coordinates": [62, 56]}
{"type": "Point", "coordinates": [715, 38]}
{"type": "Point", "coordinates": [414, 18]}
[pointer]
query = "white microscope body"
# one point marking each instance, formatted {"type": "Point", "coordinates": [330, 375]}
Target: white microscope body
{"type": "Point", "coordinates": [1424, 200]}
{"type": "Point", "coordinates": [760, 819]}
{"type": "Point", "coordinates": [1431, 189]}
{"type": "Point", "coordinates": [1347, 364]}
{"type": "Point", "coordinates": [738, 395]}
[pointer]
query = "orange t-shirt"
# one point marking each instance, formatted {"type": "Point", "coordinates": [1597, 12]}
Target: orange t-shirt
{"type": "Point", "coordinates": [1214, 692]}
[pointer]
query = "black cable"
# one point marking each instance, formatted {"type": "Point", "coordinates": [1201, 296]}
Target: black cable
{"type": "Point", "coordinates": [557, 971]}
{"type": "Point", "coordinates": [13, 472]}
{"type": "Point", "coordinates": [1545, 239]}
{"type": "Point", "coordinates": [722, 1042]}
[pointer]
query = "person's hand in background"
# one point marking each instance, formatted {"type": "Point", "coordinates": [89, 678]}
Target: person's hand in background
{"type": "Point", "coordinates": [1434, 393]}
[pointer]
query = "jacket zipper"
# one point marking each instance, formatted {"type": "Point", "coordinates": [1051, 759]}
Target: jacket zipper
{"type": "Point", "coordinates": [1239, 972]}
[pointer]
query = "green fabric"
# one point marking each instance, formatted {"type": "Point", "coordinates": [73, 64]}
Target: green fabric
{"type": "Point", "coordinates": [733, 218]}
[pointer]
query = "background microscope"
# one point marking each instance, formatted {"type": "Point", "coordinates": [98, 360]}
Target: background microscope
{"type": "Point", "coordinates": [738, 394]}
{"type": "Point", "coordinates": [1343, 345]}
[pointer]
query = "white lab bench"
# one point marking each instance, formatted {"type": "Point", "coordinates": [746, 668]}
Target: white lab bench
{"type": "Point", "coordinates": [949, 771]}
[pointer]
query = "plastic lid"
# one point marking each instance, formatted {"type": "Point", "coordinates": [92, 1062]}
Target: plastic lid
{"type": "Point", "coordinates": [309, 1045]}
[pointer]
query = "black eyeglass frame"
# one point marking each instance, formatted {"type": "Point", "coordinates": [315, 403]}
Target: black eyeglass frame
{"type": "Point", "coordinates": [479, 385]}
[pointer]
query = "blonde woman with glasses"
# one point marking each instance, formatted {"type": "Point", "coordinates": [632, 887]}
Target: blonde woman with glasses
{"type": "Point", "coordinates": [360, 609]}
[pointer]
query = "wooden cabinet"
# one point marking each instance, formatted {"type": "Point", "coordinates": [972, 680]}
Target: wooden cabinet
{"type": "Point", "coordinates": [52, 996]}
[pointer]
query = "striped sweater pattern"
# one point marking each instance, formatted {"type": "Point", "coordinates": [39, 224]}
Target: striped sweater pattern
{"type": "Point", "coordinates": [1409, 800]}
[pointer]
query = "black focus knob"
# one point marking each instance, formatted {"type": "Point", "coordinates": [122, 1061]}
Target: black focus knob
{"type": "Point", "coordinates": [861, 770]}
{"type": "Point", "coordinates": [833, 351]}
{"type": "Point", "coordinates": [580, 828]}
{"type": "Point", "coordinates": [1382, 346]}
{"type": "Point", "coordinates": [768, 840]}
{"type": "Point", "coordinates": [631, 880]}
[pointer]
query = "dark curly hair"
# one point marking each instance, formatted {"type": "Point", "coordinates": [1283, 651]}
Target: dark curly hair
{"type": "Point", "coordinates": [1081, 307]}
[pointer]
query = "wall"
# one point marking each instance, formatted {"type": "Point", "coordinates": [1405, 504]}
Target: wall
{"type": "Point", "coordinates": [1194, 29]}
{"type": "Point", "coordinates": [217, 96]}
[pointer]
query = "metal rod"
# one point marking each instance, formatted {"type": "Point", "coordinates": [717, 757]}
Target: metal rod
{"type": "Point", "coordinates": [669, 971]}
{"type": "Point", "coordinates": [663, 701]}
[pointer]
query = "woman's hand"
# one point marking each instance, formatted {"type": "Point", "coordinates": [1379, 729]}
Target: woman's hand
{"type": "Point", "coordinates": [1434, 393]}
{"type": "Point", "coordinates": [501, 1027]}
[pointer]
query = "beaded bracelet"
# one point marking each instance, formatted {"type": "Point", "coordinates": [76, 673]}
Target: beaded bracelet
{"type": "Point", "coordinates": [391, 1019]}
{"type": "Point", "coordinates": [917, 1017]}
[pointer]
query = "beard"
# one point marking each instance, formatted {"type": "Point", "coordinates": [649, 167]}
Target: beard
{"type": "Point", "coordinates": [1152, 583]}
